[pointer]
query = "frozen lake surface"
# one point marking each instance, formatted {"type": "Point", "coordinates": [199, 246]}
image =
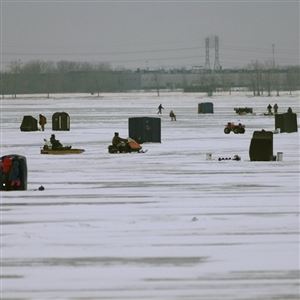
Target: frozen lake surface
{"type": "Point", "coordinates": [166, 224]}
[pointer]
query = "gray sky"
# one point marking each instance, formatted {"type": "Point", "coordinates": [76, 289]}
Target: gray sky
{"type": "Point", "coordinates": [150, 33]}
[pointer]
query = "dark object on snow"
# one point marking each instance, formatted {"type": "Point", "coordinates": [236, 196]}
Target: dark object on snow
{"type": "Point", "coordinates": [205, 108]}
{"type": "Point", "coordinates": [243, 110]}
{"type": "Point", "coordinates": [286, 122]}
{"type": "Point", "coordinates": [261, 146]}
{"type": "Point", "coordinates": [230, 126]}
{"type": "Point", "coordinates": [145, 129]}
{"type": "Point", "coordinates": [62, 151]}
{"type": "Point", "coordinates": [172, 115]}
{"type": "Point", "coordinates": [126, 146]}
{"type": "Point", "coordinates": [29, 123]}
{"type": "Point", "coordinates": [61, 121]}
{"type": "Point", "coordinates": [235, 157]}
{"type": "Point", "coordinates": [41, 188]}
{"type": "Point", "coordinates": [13, 173]}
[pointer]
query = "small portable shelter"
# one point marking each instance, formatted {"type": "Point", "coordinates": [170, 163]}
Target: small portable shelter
{"type": "Point", "coordinates": [261, 146]}
{"type": "Point", "coordinates": [145, 129]}
{"type": "Point", "coordinates": [206, 108]}
{"type": "Point", "coordinates": [29, 123]}
{"type": "Point", "coordinates": [243, 110]}
{"type": "Point", "coordinates": [61, 121]}
{"type": "Point", "coordinates": [286, 122]}
{"type": "Point", "coordinates": [13, 173]}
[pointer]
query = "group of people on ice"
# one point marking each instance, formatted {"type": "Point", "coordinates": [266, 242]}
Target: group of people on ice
{"type": "Point", "coordinates": [171, 114]}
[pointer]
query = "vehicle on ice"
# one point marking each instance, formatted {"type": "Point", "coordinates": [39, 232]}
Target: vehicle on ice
{"type": "Point", "coordinates": [126, 147]}
{"type": "Point", "coordinates": [236, 128]}
{"type": "Point", "coordinates": [55, 147]}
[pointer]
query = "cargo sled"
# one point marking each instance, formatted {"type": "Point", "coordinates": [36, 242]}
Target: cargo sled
{"type": "Point", "coordinates": [62, 151]}
{"type": "Point", "coordinates": [48, 149]}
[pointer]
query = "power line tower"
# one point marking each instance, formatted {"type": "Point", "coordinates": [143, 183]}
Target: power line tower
{"type": "Point", "coordinates": [217, 65]}
{"type": "Point", "coordinates": [207, 63]}
{"type": "Point", "coordinates": [273, 55]}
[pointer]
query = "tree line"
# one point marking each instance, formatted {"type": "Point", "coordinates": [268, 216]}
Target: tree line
{"type": "Point", "coordinates": [82, 77]}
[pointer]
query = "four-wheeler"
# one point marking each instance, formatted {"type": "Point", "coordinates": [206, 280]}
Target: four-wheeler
{"type": "Point", "coordinates": [236, 128]}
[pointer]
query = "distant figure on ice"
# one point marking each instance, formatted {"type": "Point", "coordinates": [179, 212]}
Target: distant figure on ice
{"type": "Point", "coordinates": [275, 107]}
{"type": "Point", "coordinates": [172, 115]}
{"type": "Point", "coordinates": [269, 107]}
{"type": "Point", "coordinates": [56, 144]}
{"type": "Point", "coordinates": [42, 121]}
{"type": "Point", "coordinates": [289, 110]}
{"type": "Point", "coordinates": [160, 107]}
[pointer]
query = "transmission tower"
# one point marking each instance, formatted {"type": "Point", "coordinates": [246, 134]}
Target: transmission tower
{"type": "Point", "coordinates": [207, 63]}
{"type": "Point", "coordinates": [217, 65]}
{"type": "Point", "coordinates": [273, 55]}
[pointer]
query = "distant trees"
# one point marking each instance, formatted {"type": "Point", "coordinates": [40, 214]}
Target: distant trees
{"type": "Point", "coordinates": [72, 77]}
{"type": "Point", "coordinates": [293, 78]}
{"type": "Point", "coordinates": [63, 66]}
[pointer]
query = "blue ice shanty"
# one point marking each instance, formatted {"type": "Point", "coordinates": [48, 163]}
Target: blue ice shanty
{"type": "Point", "coordinates": [206, 108]}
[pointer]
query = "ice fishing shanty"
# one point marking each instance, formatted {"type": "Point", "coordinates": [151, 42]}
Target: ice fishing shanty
{"type": "Point", "coordinates": [145, 129]}
{"type": "Point", "coordinates": [61, 121]}
{"type": "Point", "coordinates": [206, 108]}
{"type": "Point", "coordinates": [261, 146]}
{"type": "Point", "coordinates": [13, 173]}
{"type": "Point", "coordinates": [29, 123]}
{"type": "Point", "coordinates": [286, 122]}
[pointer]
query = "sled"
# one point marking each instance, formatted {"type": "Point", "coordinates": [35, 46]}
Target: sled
{"type": "Point", "coordinates": [62, 151]}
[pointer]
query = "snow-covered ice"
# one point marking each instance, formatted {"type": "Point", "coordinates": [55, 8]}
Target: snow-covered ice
{"type": "Point", "coordinates": [166, 224]}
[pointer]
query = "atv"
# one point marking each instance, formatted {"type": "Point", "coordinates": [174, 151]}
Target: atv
{"type": "Point", "coordinates": [239, 128]}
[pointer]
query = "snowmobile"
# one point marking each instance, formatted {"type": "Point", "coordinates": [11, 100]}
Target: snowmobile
{"type": "Point", "coordinates": [129, 147]}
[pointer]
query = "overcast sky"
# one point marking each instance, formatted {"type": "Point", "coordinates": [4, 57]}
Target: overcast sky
{"type": "Point", "coordinates": [150, 33]}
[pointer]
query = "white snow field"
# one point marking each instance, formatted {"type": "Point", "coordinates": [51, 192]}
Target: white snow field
{"type": "Point", "coordinates": [166, 224]}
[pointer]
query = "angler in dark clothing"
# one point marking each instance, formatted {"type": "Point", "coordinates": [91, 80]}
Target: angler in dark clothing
{"type": "Point", "coordinates": [120, 143]}
{"type": "Point", "coordinates": [56, 144]}
{"type": "Point", "coordinates": [269, 107]}
{"type": "Point", "coordinates": [275, 107]}
{"type": "Point", "coordinates": [160, 107]}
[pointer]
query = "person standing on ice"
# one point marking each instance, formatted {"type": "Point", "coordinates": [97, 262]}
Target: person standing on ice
{"type": "Point", "coordinates": [269, 107]}
{"type": "Point", "coordinates": [42, 121]}
{"type": "Point", "coordinates": [275, 107]}
{"type": "Point", "coordinates": [160, 107]}
{"type": "Point", "coordinates": [172, 115]}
